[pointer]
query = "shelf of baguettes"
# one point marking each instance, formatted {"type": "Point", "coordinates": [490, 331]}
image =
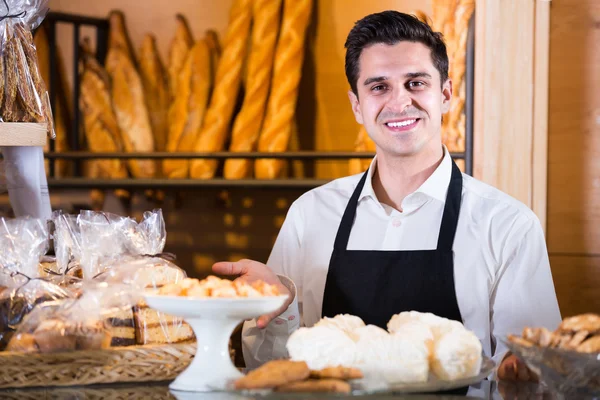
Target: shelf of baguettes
{"type": "Point", "coordinates": [145, 363]}
{"type": "Point", "coordinates": [189, 183]}
{"type": "Point", "coordinates": [23, 134]}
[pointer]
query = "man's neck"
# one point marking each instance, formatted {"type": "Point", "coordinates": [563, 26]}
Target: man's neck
{"type": "Point", "coordinates": [395, 178]}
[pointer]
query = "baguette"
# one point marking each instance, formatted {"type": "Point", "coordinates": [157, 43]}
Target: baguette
{"type": "Point", "coordinates": [452, 19]}
{"type": "Point", "coordinates": [130, 109]}
{"type": "Point", "coordinates": [178, 51]}
{"type": "Point", "coordinates": [118, 38]}
{"type": "Point", "coordinates": [212, 40]}
{"type": "Point", "coordinates": [156, 90]}
{"type": "Point", "coordinates": [246, 129]}
{"type": "Point", "coordinates": [218, 117]}
{"type": "Point", "coordinates": [61, 110]}
{"type": "Point", "coordinates": [188, 110]}
{"type": "Point", "coordinates": [281, 107]}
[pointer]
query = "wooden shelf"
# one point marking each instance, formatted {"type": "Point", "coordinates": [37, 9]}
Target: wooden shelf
{"type": "Point", "coordinates": [23, 134]}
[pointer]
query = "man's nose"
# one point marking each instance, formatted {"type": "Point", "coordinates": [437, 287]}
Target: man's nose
{"type": "Point", "coordinates": [400, 99]}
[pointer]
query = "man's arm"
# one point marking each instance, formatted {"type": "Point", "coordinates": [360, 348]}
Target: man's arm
{"type": "Point", "coordinates": [524, 292]}
{"type": "Point", "coordinates": [264, 339]}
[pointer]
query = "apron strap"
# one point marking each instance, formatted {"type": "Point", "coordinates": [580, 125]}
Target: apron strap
{"type": "Point", "coordinates": [451, 210]}
{"type": "Point", "coordinates": [343, 234]}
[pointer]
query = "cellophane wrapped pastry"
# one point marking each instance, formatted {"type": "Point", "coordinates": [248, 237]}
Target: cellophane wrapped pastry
{"type": "Point", "coordinates": [23, 93]}
{"type": "Point", "coordinates": [73, 324]}
{"type": "Point", "coordinates": [23, 242]}
{"type": "Point", "coordinates": [143, 266]}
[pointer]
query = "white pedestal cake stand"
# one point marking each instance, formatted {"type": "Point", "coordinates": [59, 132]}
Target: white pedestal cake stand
{"type": "Point", "coordinates": [213, 320]}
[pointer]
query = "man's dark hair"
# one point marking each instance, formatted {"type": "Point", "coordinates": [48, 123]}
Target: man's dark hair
{"type": "Point", "coordinates": [391, 27]}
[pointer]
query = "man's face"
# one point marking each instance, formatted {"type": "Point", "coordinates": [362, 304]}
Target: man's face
{"type": "Point", "coordinates": [400, 98]}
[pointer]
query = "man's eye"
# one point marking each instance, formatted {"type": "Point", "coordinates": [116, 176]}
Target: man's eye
{"type": "Point", "coordinates": [378, 88]}
{"type": "Point", "coordinates": [416, 84]}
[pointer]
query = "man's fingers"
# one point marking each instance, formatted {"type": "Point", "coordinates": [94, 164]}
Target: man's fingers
{"type": "Point", "coordinates": [266, 319]}
{"type": "Point", "coordinates": [230, 268]}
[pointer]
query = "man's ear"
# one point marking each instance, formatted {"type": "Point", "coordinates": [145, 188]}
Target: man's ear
{"type": "Point", "coordinates": [446, 95]}
{"type": "Point", "coordinates": [355, 106]}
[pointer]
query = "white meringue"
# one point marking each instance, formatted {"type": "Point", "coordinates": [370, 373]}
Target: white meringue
{"type": "Point", "coordinates": [346, 322]}
{"type": "Point", "coordinates": [456, 355]}
{"type": "Point", "coordinates": [321, 347]}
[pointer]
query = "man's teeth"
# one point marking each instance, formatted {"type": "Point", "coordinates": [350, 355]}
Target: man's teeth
{"type": "Point", "coordinates": [403, 123]}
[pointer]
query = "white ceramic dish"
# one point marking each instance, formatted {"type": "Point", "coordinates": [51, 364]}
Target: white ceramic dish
{"type": "Point", "coordinates": [213, 320]}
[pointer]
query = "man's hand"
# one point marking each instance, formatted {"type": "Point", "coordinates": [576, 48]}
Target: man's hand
{"type": "Point", "coordinates": [513, 369]}
{"type": "Point", "coordinates": [250, 271]}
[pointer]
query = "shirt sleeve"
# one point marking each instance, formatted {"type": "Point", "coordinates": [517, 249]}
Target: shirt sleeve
{"type": "Point", "coordinates": [262, 345]}
{"type": "Point", "coordinates": [524, 293]}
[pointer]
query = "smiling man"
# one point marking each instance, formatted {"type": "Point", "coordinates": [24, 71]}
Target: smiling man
{"type": "Point", "coordinates": [412, 232]}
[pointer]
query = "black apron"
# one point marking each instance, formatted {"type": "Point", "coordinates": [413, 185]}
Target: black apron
{"type": "Point", "coordinates": [374, 285]}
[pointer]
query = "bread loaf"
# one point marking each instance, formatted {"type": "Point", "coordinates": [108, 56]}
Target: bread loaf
{"type": "Point", "coordinates": [117, 34]}
{"type": "Point", "coordinates": [212, 41]}
{"type": "Point", "coordinates": [62, 110]}
{"type": "Point", "coordinates": [156, 90]}
{"type": "Point", "coordinates": [178, 52]}
{"type": "Point", "coordinates": [188, 109]}
{"type": "Point", "coordinates": [281, 107]}
{"type": "Point", "coordinates": [227, 84]}
{"type": "Point", "coordinates": [130, 109]}
{"type": "Point", "coordinates": [246, 129]}
{"type": "Point", "coordinates": [100, 124]}
{"type": "Point", "coordinates": [452, 19]}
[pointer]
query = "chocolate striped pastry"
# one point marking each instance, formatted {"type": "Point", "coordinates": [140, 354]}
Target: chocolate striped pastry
{"type": "Point", "coordinates": [121, 327]}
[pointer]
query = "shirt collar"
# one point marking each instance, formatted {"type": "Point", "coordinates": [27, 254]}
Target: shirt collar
{"type": "Point", "coordinates": [435, 186]}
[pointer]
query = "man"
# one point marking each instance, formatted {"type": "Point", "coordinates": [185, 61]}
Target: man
{"type": "Point", "coordinates": [412, 233]}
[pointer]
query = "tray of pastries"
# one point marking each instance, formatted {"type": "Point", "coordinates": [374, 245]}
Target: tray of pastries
{"type": "Point", "coordinates": [568, 358]}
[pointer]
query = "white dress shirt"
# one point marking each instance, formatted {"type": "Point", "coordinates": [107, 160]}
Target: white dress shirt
{"type": "Point", "coordinates": [501, 269]}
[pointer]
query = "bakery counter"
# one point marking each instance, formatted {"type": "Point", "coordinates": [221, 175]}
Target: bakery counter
{"type": "Point", "coordinates": [160, 390]}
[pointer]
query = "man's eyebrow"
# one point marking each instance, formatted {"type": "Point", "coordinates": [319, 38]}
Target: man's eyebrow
{"type": "Point", "coordinates": [410, 75]}
{"type": "Point", "coordinates": [368, 81]}
{"type": "Point", "coordinates": [417, 75]}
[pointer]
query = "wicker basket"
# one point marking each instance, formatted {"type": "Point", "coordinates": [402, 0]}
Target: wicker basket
{"type": "Point", "coordinates": [117, 364]}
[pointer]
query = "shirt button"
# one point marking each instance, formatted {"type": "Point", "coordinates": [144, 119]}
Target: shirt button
{"type": "Point", "coordinates": [396, 222]}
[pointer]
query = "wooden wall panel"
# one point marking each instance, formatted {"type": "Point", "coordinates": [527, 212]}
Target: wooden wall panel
{"type": "Point", "coordinates": [574, 128]}
{"type": "Point", "coordinates": [577, 283]}
{"type": "Point", "coordinates": [503, 144]}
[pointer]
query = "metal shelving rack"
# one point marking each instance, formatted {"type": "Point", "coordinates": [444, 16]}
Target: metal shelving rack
{"type": "Point", "coordinates": [75, 137]}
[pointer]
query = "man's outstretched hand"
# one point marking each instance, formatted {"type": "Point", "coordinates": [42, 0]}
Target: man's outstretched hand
{"type": "Point", "coordinates": [250, 271]}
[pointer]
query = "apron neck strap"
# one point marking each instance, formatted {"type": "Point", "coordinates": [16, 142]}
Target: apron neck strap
{"type": "Point", "coordinates": [451, 210]}
{"type": "Point", "coordinates": [449, 218]}
{"type": "Point", "coordinates": [343, 234]}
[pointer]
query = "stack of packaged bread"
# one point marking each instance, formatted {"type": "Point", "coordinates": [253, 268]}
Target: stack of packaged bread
{"type": "Point", "coordinates": [90, 297]}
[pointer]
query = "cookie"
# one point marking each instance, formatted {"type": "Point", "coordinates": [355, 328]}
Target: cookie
{"type": "Point", "coordinates": [591, 345]}
{"type": "Point", "coordinates": [316, 386]}
{"type": "Point", "coordinates": [274, 373]}
{"type": "Point", "coordinates": [584, 322]}
{"type": "Point", "coordinates": [339, 372]}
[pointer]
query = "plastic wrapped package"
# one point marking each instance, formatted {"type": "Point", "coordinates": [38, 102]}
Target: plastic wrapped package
{"type": "Point", "coordinates": [24, 96]}
{"type": "Point", "coordinates": [17, 303]}
{"type": "Point", "coordinates": [146, 268]}
{"type": "Point", "coordinates": [72, 324]}
{"type": "Point", "coordinates": [23, 242]}
{"type": "Point", "coordinates": [102, 240]}
{"type": "Point", "coordinates": [67, 244]}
